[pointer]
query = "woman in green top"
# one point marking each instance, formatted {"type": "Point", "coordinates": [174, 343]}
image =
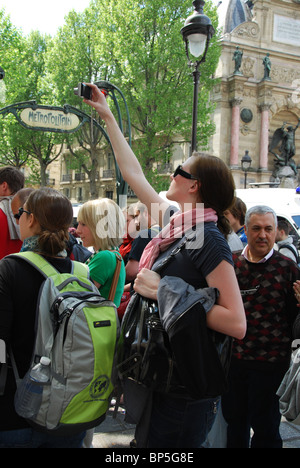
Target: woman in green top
{"type": "Point", "coordinates": [101, 225]}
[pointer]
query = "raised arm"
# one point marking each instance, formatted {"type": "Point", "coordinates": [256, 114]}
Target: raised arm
{"type": "Point", "coordinates": [128, 164]}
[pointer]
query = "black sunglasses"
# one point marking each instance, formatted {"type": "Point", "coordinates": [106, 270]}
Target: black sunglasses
{"type": "Point", "coordinates": [21, 211]}
{"type": "Point", "coordinates": [183, 173]}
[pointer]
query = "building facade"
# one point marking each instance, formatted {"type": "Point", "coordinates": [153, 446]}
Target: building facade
{"type": "Point", "coordinates": [256, 100]}
{"type": "Point", "coordinates": [253, 98]}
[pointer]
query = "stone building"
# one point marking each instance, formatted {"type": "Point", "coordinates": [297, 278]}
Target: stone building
{"type": "Point", "coordinates": [251, 105]}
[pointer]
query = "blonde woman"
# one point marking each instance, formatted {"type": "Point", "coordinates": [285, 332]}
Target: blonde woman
{"type": "Point", "coordinates": [101, 225]}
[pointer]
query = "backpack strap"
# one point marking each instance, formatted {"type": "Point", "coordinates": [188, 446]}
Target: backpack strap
{"type": "Point", "coordinates": [292, 249]}
{"type": "Point", "coordinates": [46, 269]}
{"type": "Point", "coordinates": [4, 370]}
{"type": "Point", "coordinates": [80, 269]}
{"type": "Point", "coordinates": [115, 280]}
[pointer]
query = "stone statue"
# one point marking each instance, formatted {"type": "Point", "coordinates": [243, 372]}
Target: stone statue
{"type": "Point", "coordinates": [237, 57]}
{"type": "Point", "coordinates": [267, 67]}
{"type": "Point", "coordinates": [285, 137]}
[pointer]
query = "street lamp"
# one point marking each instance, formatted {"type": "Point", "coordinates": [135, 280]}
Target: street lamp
{"type": "Point", "coordinates": [197, 33]}
{"type": "Point", "coordinates": [246, 163]}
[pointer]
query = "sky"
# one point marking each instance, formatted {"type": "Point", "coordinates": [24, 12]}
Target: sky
{"type": "Point", "coordinates": [48, 15]}
{"type": "Point", "coordinates": [45, 16]}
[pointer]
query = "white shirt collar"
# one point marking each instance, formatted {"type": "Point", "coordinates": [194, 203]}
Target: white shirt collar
{"type": "Point", "coordinates": [263, 260]}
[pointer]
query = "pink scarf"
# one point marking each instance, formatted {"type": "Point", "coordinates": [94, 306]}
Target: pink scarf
{"type": "Point", "coordinates": [179, 224]}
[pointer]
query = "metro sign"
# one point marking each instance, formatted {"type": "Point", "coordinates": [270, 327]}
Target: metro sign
{"type": "Point", "coordinates": [29, 114]}
{"type": "Point", "coordinates": [49, 119]}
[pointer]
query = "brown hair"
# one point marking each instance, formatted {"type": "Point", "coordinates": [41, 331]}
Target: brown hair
{"type": "Point", "coordinates": [13, 177]}
{"type": "Point", "coordinates": [217, 186]}
{"type": "Point", "coordinates": [238, 210]}
{"type": "Point", "coordinates": [23, 194]}
{"type": "Point", "coordinates": [54, 213]}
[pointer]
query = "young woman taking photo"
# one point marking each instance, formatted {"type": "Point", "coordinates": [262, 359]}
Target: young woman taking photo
{"type": "Point", "coordinates": [200, 181]}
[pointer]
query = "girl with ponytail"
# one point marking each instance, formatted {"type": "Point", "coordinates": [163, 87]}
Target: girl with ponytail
{"type": "Point", "coordinates": [44, 221]}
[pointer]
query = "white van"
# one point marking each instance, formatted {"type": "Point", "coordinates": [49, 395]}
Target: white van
{"type": "Point", "coordinates": [76, 207]}
{"type": "Point", "coordinates": [285, 203]}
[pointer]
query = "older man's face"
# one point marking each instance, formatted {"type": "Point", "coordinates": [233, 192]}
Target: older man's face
{"type": "Point", "coordinates": [261, 233]}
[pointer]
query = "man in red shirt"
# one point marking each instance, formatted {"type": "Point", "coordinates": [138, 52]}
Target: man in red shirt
{"type": "Point", "coordinates": [11, 180]}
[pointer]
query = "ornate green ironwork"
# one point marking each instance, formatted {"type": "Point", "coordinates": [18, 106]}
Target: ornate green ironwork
{"type": "Point", "coordinates": [44, 114]}
{"type": "Point", "coordinates": [57, 119]}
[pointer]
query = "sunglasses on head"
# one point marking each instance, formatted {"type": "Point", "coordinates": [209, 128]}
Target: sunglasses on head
{"type": "Point", "coordinates": [21, 211]}
{"type": "Point", "coordinates": [183, 173]}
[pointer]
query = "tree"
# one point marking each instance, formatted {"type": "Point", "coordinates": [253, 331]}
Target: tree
{"type": "Point", "coordinates": [78, 39]}
{"type": "Point", "coordinates": [145, 50]}
{"type": "Point", "coordinates": [138, 47]}
{"type": "Point", "coordinates": [12, 152]}
{"type": "Point", "coordinates": [86, 153]}
{"type": "Point", "coordinates": [24, 63]}
{"type": "Point", "coordinates": [12, 52]}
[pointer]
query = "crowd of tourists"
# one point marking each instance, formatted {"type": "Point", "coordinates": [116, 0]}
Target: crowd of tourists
{"type": "Point", "coordinates": [243, 264]}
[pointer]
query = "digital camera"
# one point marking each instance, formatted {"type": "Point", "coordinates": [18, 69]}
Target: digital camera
{"type": "Point", "coordinates": [83, 90]}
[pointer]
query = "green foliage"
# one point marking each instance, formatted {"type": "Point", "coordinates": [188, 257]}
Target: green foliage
{"type": "Point", "coordinates": [135, 45]}
{"type": "Point", "coordinates": [147, 58]}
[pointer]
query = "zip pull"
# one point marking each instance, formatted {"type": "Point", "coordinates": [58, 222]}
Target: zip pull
{"type": "Point", "coordinates": [66, 313]}
{"type": "Point", "coordinates": [58, 302]}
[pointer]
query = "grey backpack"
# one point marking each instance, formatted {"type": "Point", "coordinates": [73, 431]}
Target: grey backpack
{"type": "Point", "coordinates": [77, 329]}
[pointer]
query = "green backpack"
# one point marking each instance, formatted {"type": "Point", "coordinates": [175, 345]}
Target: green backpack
{"type": "Point", "coordinates": [77, 329]}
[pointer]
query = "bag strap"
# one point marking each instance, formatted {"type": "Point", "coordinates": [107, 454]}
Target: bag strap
{"type": "Point", "coordinates": [189, 236]}
{"type": "Point", "coordinates": [115, 280]}
{"type": "Point", "coordinates": [292, 249]}
{"type": "Point", "coordinates": [4, 371]}
{"type": "Point", "coordinates": [46, 269]}
{"type": "Point", "coordinates": [80, 269]}
{"type": "Point", "coordinates": [3, 377]}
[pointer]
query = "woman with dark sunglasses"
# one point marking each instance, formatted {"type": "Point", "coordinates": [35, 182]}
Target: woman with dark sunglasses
{"type": "Point", "coordinates": [44, 221]}
{"type": "Point", "coordinates": [203, 187]}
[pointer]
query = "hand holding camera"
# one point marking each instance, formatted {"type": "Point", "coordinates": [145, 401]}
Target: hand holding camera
{"type": "Point", "coordinates": [84, 91]}
{"type": "Point", "coordinates": [94, 97]}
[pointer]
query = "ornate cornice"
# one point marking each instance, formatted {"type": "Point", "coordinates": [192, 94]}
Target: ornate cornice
{"type": "Point", "coordinates": [249, 29]}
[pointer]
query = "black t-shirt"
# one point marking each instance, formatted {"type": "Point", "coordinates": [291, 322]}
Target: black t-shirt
{"type": "Point", "coordinates": [19, 289]}
{"type": "Point", "coordinates": [140, 242]}
{"type": "Point", "coordinates": [194, 263]}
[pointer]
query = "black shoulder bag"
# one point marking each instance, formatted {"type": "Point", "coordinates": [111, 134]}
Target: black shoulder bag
{"type": "Point", "coordinates": [189, 360]}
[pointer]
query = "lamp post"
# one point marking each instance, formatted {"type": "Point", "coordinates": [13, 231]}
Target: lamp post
{"type": "Point", "coordinates": [246, 163]}
{"type": "Point", "coordinates": [197, 33]}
